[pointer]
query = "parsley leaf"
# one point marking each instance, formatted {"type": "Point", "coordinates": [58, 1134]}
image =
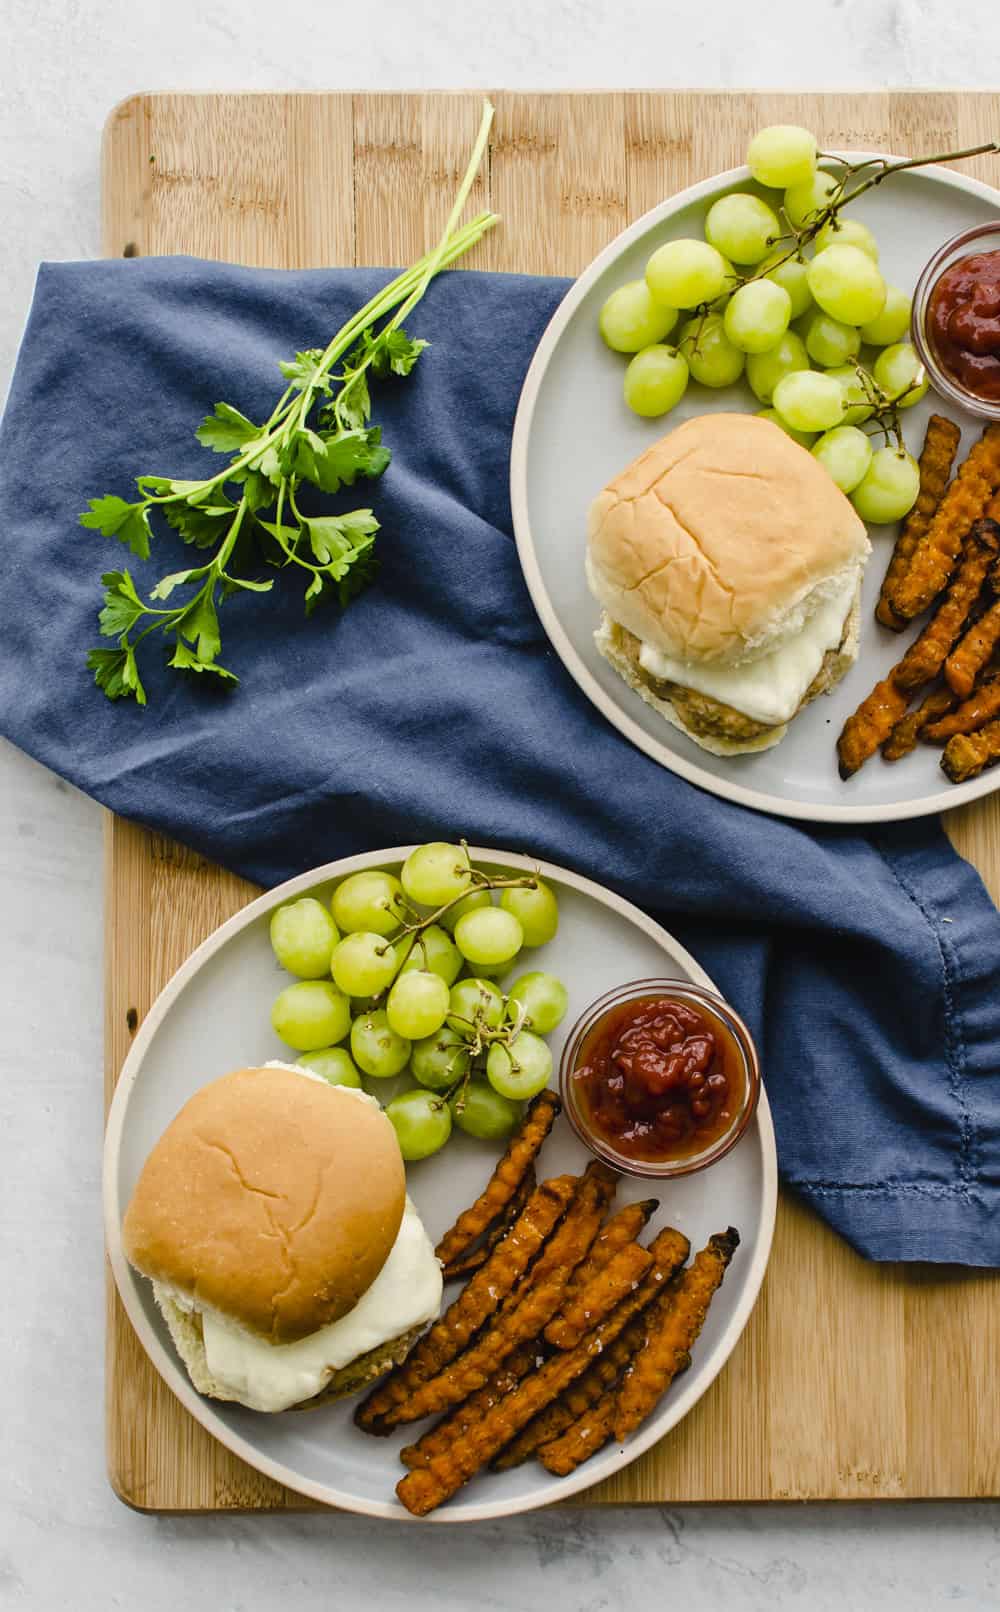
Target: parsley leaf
{"type": "Point", "coordinates": [227, 430]}
{"type": "Point", "coordinates": [122, 605]}
{"type": "Point", "coordinates": [115, 518]}
{"type": "Point", "coordinates": [200, 624]}
{"type": "Point", "coordinates": [304, 370]}
{"type": "Point", "coordinates": [188, 661]}
{"type": "Point", "coordinates": [204, 525]}
{"type": "Point", "coordinates": [397, 352]}
{"type": "Point", "coordinates": [347, 455]}
{"type": "Point", "coordinates": [115, 672]}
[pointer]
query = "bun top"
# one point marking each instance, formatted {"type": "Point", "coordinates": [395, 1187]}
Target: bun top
{"type": "Point", "coordinates": [709, 545]}
{"type": "Point", "coordinates": [271, 1197]}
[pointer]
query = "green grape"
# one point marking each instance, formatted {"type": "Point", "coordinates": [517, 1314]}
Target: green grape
{"type": "Point", "coordinates": [682, 274]}
{"type": "Point", "coordinates": [371, 901]}
{"type": "Point", "coordinates": [536, 910]}
{"type": "Point", "coordinates": [892, 323]}
{"type": "Point", "coordinates": [375, 1046]}
{"type": "Point", "coordinates": [847, 284]}
{"type": "Point", "coordinates": [858, 409]}
{"type": "Point", "coordinates": [842, 231]}
{"type": "Point", "coordinates": [802, 202]}
{"type": "Point", "coordinates": [845, 453]}
{"type": "Point", "coordinates": [792, 274]}
{"type": "Point", "coordinates": [631, 320]}
{"type": "Point", "coordinates": [828, 341]}
{"type": "Point", "coordinates": [733, 280]}
{"type": "Point", "coordinates": [435, 873]}
{"type": "Point", "coordinates": [489, 939]}
{"type": "Point", "coordinates": [417, 1005]}
{"type": "Point", "coordinates": [476, 999]}
{"type": "Point", "coordinates": [889, 488]}
{"type": "Point", "coordinates": [494, 972]}
{"type": "Point", "coordinates": [303, 936]}
{"type": "Point", "coordinates": [655, 381]}
{"type": "Point", "coordinates": [439, 1060]}
{"type": "Point", "coordinates": [334, 1064]}
{"type": "Point", "coordinates": [422, 1123]}
{"type": "Point", "coordinates": [541, 997]}
{"type": "Point", "coordinates": [310, 1015]}
{"type": "Point", "coordinates": [522, 1070]}
{"type": "Point", "coordinates": [765, 370]}
{"type": "Point", "coordinates": [782, 155]}
{"type": "Point", "coordinates": [743, 227]}
{"type": "Point", "coordinates": [363, 964]}
{"type": "Point", "coordinates": [757, 316]}
{"type": "Point", "coordinates": [900, 374]}
{"type": "Point", "coordinates": [434, 949]}
{"type": "Point", "coordinates": [469, 903]}
{"type": "Point", "coordinates": [482, 1112]}
{"type": "Point", "coordinates": [710, 355]}
{"type": "Point", "coordinates": [809, 402]}
{"type": "Point", "coordinates": [805, 439]}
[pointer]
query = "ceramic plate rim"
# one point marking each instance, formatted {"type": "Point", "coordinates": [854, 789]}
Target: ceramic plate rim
{"type": "Point", "coordinates": [618, 713]}
{"type": "Point", "coordinates": [176, 1378]}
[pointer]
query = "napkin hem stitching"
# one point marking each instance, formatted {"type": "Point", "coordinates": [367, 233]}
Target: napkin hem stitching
{"type": "Point", "coordinates": [928, 1189]}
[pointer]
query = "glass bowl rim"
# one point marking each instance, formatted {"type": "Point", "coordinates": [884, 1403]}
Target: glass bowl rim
{"type": "Point", "coordinates": [928, 278]}
{"type": "Point", "coordinates": [666, 1169]}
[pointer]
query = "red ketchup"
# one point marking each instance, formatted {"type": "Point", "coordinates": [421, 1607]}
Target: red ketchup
{"type": "Point", "coordinates": [963, 324]}
{"type": "Point", "coordinates": [659, 1079]}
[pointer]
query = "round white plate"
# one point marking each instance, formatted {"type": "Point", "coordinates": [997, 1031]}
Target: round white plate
{"type": "Point", "coordinates": [573, 433]}
{"type": "Point", "coordinates": [214, 1016]}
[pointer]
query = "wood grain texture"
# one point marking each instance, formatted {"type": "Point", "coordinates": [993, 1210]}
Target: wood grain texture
{"type": "Point", "coordinates": [852, 1381]}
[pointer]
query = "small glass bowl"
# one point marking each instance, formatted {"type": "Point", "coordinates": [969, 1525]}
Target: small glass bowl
{"type": "Point", "coordinates": [709, 1003]}
{"type": "Point", "coordinates": [983, 238]}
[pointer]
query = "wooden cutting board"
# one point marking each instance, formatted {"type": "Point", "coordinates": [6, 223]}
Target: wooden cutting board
{"type": "Point", "coordinates": [852, 1381]}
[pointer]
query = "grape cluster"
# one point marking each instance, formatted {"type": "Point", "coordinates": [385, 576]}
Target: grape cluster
{"type": "Point", "coordinates": [398, 975]}
{"type": "Point", "coordinates": [788, 292]}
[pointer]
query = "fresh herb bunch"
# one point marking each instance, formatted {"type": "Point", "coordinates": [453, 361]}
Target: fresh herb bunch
{"type": "Point", "coordinates": [319, 433]}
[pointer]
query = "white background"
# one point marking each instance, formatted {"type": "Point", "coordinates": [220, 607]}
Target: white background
{"type": "Point", "coordinates": [65, 1542]}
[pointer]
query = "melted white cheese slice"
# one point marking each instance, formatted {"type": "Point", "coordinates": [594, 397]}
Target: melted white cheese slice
{"type": "Point", "coordinates": [770, 689]}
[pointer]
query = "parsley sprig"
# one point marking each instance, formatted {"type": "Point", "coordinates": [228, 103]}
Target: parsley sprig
{"type": "Point", "coordinates": [248, 514]}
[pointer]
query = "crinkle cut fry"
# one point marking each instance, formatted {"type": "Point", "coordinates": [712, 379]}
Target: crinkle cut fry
{"type": "Point", "coordinates": [423, 1490]}
{"type": "Point", "coordinates": [437, 1438]}
{"type": "Point", "coordinates": [579, 1397]}
{"type": "Point", "coordinates": [973, 652]}
{"type": "Point", "coordinates": [589, 1433]}
{"type": "Point", "coordinates": [620, 1275]}
{"type": "Point", "coordinates": [656, 1365]}
{"type": "Point", "coordinates": [870, 725]}
{"type": "Point", "coordinates": [981, 707]}
{"type": "Point", "coordinates": [477, 1300]}
{"type": "Point", "coordinates": [968, 754]}
{"type": "Point", "coordinates": [466, 1264]}
{"type": "Point", "coordinates": [619, 1229]}
{"type": "Point", "coordinates": [529, 1313]}
{"type": "Point", "coordinates": [926, 655]}
{"type": "Point", "coordinates": [911, 727]}
{"type": "Point", "coordinates": [503, 1183]}
{"type": "Point", "coordinates": [964, 503]}
{"type": "Point", "coordinates": [936, 460]}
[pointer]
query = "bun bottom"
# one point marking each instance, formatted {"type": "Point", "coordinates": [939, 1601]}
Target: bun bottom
{"type": "Point", "coordinates": [613, 643]}
{"type": "Point", "coordinates": [184, 1327]}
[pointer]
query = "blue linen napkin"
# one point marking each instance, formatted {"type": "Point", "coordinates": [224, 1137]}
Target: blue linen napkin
{"type": "Point", "coordinates": [865, 963]}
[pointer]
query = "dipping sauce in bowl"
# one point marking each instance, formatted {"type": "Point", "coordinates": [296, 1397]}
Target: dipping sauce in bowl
{"type": "Point", "coordinates": [963, 323]}
{"type": "Point", "coordinates": [660, 1078]}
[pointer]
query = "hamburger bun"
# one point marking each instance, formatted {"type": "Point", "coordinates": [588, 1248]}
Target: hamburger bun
{"type": "Point", "coordinates": [271, 1198]}
{"type": "Point", "coordinates": [711, 544]}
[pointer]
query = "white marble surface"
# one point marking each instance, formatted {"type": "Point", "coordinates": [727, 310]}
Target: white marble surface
{"type": "Point", "coordinates": [64, 1540]}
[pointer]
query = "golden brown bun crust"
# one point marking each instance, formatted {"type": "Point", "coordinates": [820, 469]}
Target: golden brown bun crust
{"type": "Point", "coordinates": [274, 1198]}
{"type": "Point", "coordinates": [707, 545]}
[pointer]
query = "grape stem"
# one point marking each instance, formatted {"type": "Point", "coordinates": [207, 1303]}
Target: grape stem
{"type": "Point", "coordinates": [885, 407]}
{"type": "Point", "coordinates": [478, 881]}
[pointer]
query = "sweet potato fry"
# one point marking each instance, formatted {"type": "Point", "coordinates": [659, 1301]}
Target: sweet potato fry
{"type": "Point", "coordinates": [936, 460]}
{"type": "Point", "coordinates": [588, 1434]}
{"type": "Point", "coordinates": [967, 754]}
{"type": "Point", "coordinates": [623, 1272]}
{"type": "Point", "coordinates": [623, 1227]}
{"type": "Point", "coordinates": [981, 707]}
{"type": "Point", "coordinates": [911, 727]}
{"type": "Point", "coordinates": [504, 1182]}
{"type": "Point", "coordinates": [437, 1438]}
{"type": "Point", "coordinates": [522, 1320]}
{"type": "Point", "coordinates": [656, 1365]}
{"type": "Point", "coordinates": [465, 1264]}
{"type": "Point", "coordinates": [477, 1301]}
{"type": "Point", "coordinates": [870, 726]}
{"type": "Point", "coordinates": [926, 655]}
{"type": "Point", "coordinates": [972, 652]}
{"type": "Point", "coordinates": [934, 556]}
{"type": "Point", "coordinates": [423, 1490]}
